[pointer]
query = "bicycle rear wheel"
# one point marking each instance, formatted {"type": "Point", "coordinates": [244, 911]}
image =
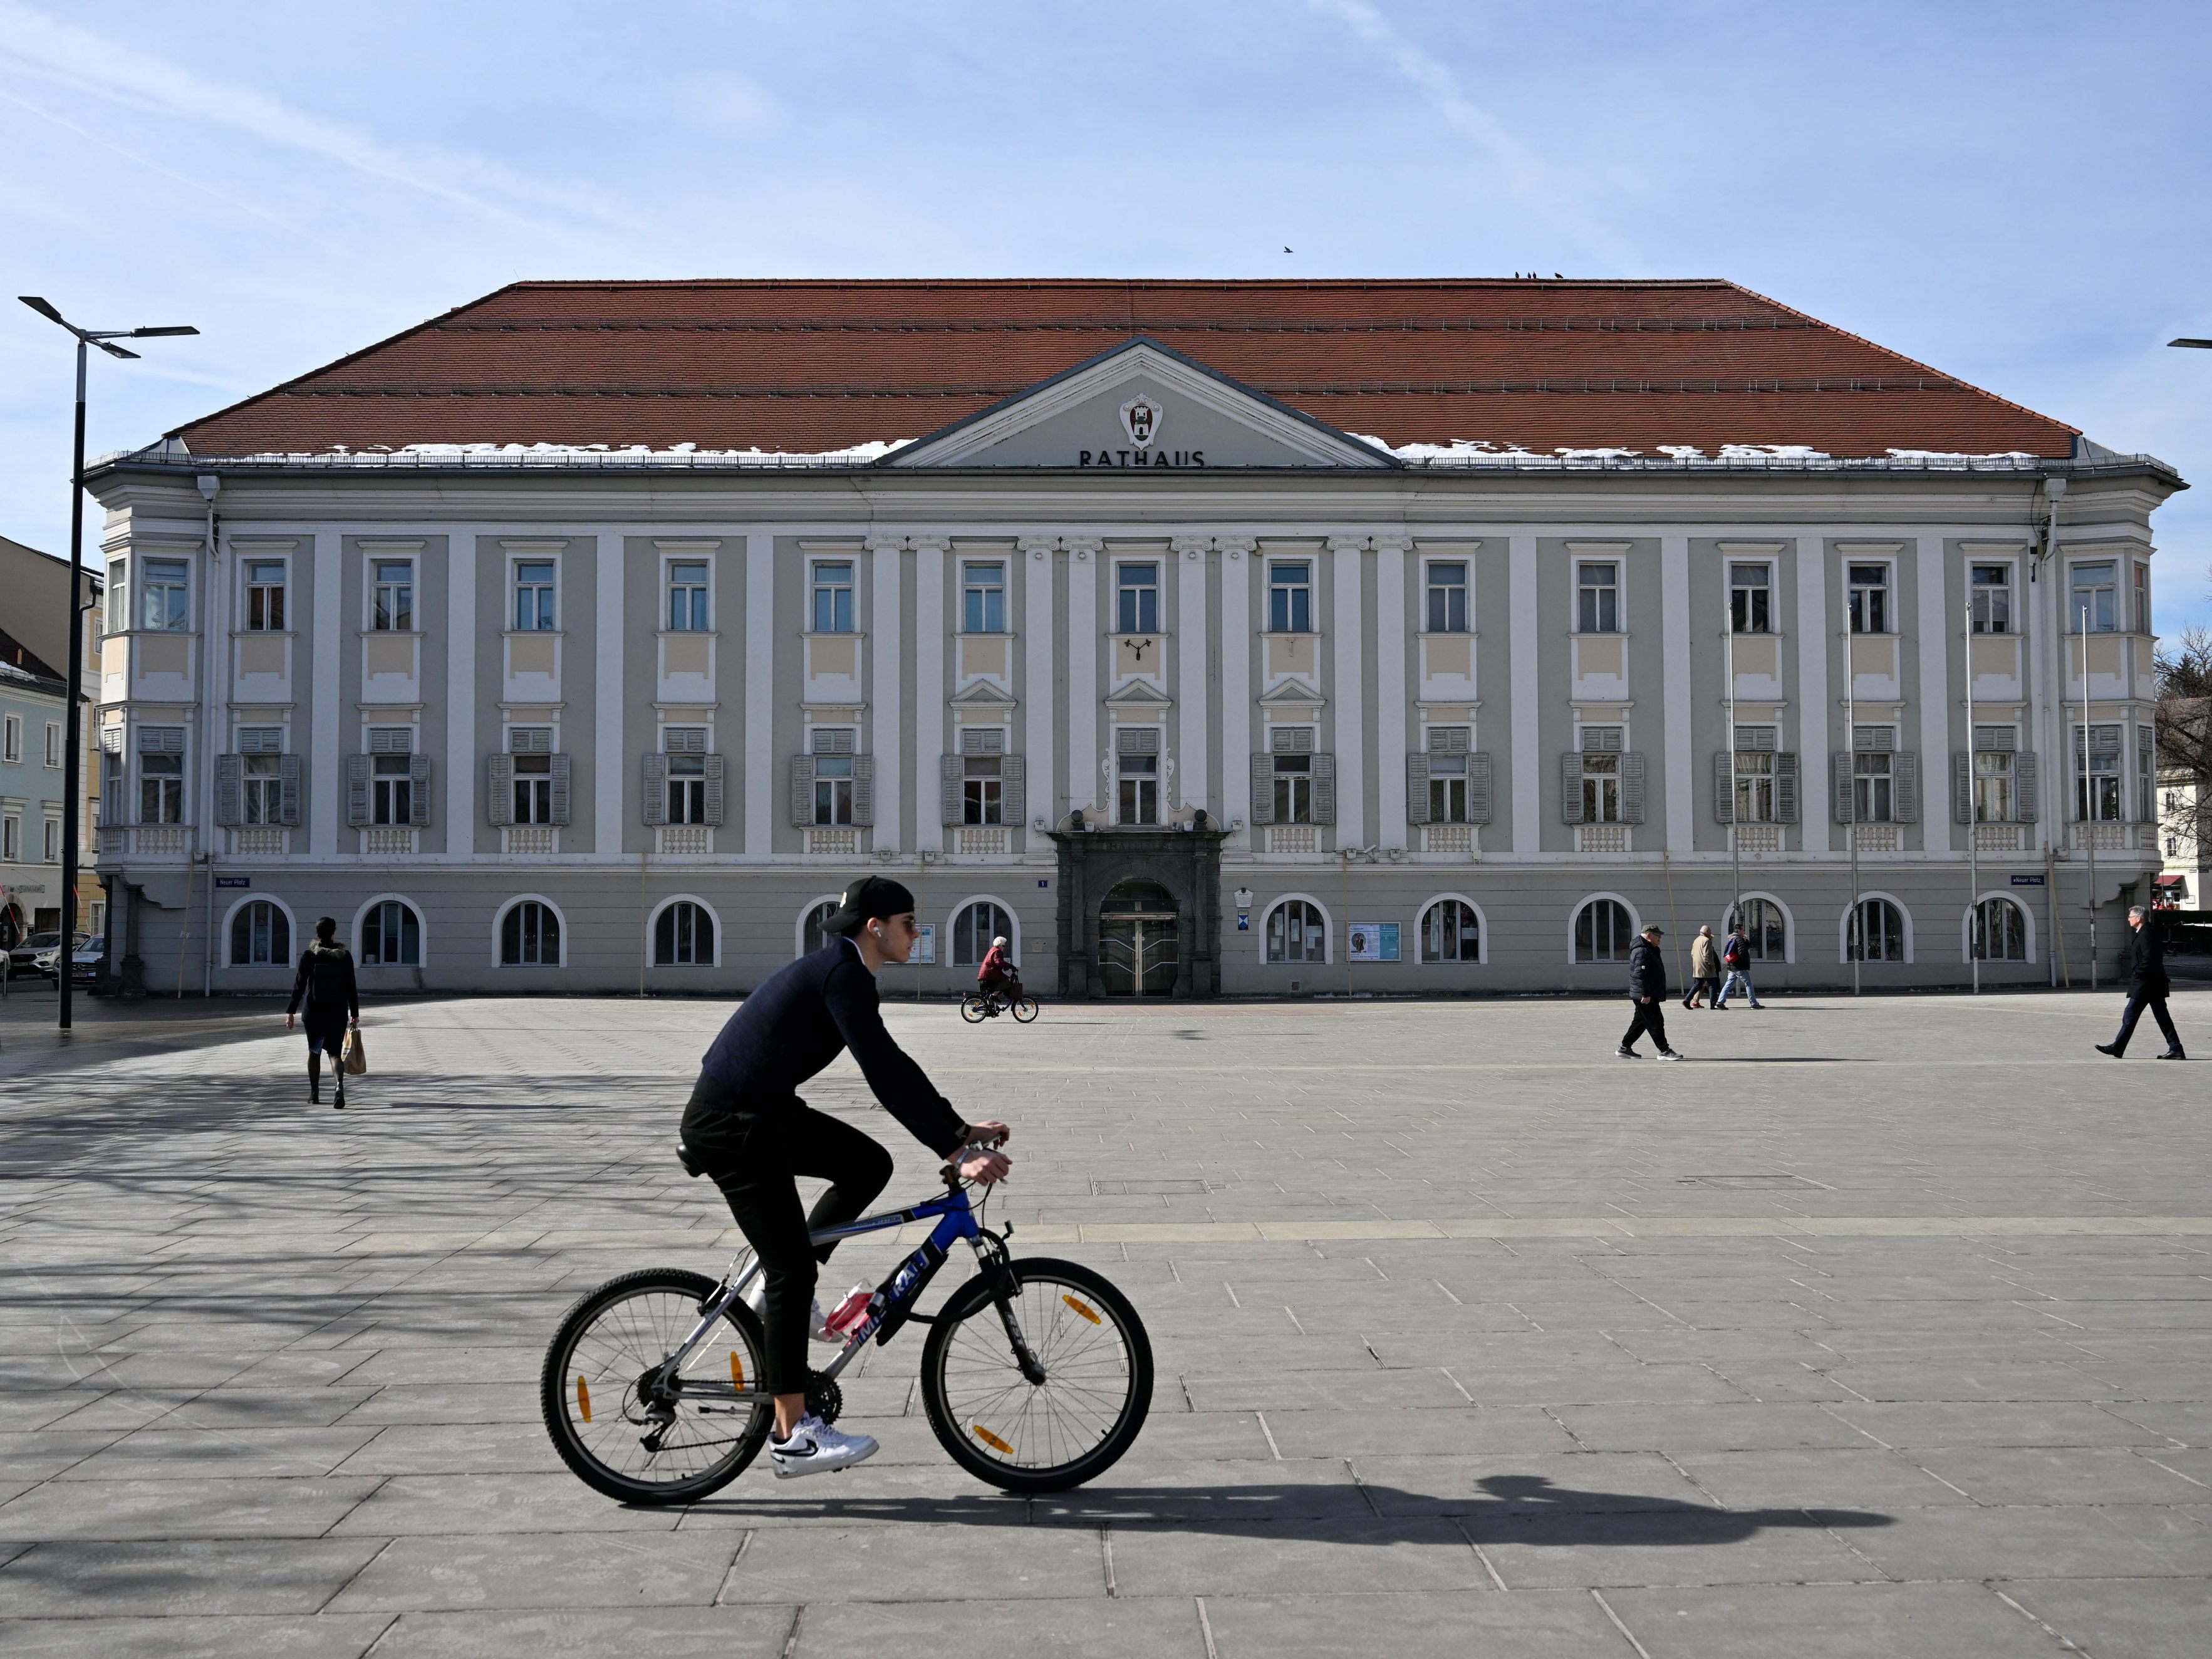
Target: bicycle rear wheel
{"type": "Point", "coordinates": [626, 1431]}
{"type": "Point", "coordinates": [1060, 1432]}
{"type": "Point", "coordinates": [1025, 1009]}
{"type": "Point", "coordinates": [973, 1009]}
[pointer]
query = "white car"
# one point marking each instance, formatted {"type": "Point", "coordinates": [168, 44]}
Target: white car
{"type": "Point", "coordinates": [23, 957]}
{"type": "Point", "coordinates": [84, 962]}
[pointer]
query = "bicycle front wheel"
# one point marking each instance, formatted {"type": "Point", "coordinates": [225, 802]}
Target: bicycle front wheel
{"type": "Point", "coordinates": [621, 1424]}
{"type": "Point", "coordinates": [973, 1009]}
{"type": "Point", "coordinates": [1025, 1009]}
{"type": "Point", "coordinates": [1048, 1435]}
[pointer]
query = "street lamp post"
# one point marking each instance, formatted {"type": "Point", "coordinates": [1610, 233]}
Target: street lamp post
{"type": "Point", "coordinates": [73, 743]}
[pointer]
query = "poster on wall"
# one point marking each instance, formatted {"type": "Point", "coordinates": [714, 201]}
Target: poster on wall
{"type": "Point", "coordinates": [925, 943]}
{"type": "Point", "coordinates": [1374, 941]}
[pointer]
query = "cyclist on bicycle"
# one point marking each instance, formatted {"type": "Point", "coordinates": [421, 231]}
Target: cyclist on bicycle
{"type": "Point", "coordinates": [998, 974]}
{"type": "Point", "coordinates": [746, 1125]}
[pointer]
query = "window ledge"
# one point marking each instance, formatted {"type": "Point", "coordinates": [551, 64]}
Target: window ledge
{"type": "Point", "coordinates": [833, 634]}
{"type": "Point", "coordinates": [392, 634]}
{"type": "Point", "coordinates": [532, 633]}
{"type": "Point", "coordinates": [1007, 634]}
{"type": "Point", "coordinates": [1298, 634]}
{"type": "Point", "coordinates": [688, 634]}
{"type": "Point", "coordinates": [1597, 634]}
{"type": "Point", "coordinates": [1447, 634]}
{"type": "Point", "coordinates": [264, 632]}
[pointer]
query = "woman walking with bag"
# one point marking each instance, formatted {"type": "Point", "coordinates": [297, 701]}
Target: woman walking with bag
{"type": "Point", "coordinates": [325, 984]}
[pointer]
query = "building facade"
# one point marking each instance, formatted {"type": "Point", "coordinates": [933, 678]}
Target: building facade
{"type": "Point", "coordinates": [33, 713]}
{"type": "Point", "coordinates": [36, 613]}
{"type": "Point", "coordinates": [593, 637]}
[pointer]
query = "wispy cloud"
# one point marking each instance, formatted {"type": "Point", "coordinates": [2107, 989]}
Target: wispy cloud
{"type": "Point", "coordinates": [1534, 184]}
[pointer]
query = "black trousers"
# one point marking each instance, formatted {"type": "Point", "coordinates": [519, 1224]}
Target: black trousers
{"type": "Point", "coordinates": [1650, 1017]}
{"type": "Point", "coordinates": [754, 1156]}
{"type": "Point", "coordinates": [2137, 1001]}
{"type": "Point", "coordinates": [1708, 988]}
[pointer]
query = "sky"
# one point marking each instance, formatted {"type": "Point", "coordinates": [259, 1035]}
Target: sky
{"type": "Point", "coordinates": [2016, 193]}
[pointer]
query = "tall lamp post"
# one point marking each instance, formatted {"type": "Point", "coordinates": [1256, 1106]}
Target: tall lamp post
{"type": "Point", "coordinates": [73, 745]}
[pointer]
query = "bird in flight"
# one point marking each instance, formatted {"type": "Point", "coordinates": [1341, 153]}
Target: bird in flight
{"type": "Point", "coordinates": [1287, 249]}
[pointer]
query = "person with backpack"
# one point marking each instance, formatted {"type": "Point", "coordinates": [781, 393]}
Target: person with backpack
{"type": "Point", "coordinates": [1735, 956]}
{"type": "Point", "coordinates": [325, 984]}
{"type": "Point", "coordinates": [1647, 990]}
{"type": "Point", "coordinates": [1704, 967]}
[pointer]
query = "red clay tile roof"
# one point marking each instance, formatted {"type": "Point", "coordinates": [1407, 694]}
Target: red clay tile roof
{"type": "Point", "coordinates": [810, 366]}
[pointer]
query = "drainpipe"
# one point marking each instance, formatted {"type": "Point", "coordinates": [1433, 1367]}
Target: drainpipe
{"type": "Point", "coordinates": [215, 628]}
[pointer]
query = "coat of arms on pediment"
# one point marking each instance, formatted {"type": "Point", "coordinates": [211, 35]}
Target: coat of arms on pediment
{"type": "Point", "coordinates": [1141, 419]}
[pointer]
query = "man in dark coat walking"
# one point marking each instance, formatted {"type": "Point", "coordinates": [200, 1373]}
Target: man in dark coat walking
{"type": "Point", "coordinates": [1647, 989]}
{"type": "Point", "coordinates": [2143, 961]}
{"type": "Point", "coordinates": [324, 983]}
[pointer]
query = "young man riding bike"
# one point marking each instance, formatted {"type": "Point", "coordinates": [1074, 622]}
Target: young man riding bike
{"type": "Point", "coordinates": [747, 1125]}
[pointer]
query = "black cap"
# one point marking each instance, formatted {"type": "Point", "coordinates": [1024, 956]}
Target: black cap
{"type": "Point", "coordinates": [865, 901]}
{"type": "Point", "coordinates": [1654, 928]}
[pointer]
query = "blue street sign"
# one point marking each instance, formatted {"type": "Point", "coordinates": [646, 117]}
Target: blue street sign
{"type": "Point", "coordinates": [2027, 881]}
{"type": "Point", "coordinates": [234, 881]}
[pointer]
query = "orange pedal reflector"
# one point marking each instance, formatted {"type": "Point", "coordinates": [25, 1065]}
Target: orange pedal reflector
{"type": "Point", "coordinates": [1087, 1312]}
{"type": "Point", "coordinates": [990, 1439]}
{"type": "Point", "coordinates": [583, 1397]}
{"type": "Point", "coordinates": [737, 1370]}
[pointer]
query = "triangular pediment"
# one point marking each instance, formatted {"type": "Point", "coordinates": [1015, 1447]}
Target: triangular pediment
{"type": "Point", "coordinates": [983, 695]}
{"type": "Point", "coordinates": [1139, 695]}
{"type": "Point", "coordinates": [1140, 407]}
{"type": "Point", "coordinates": [1293, 694]}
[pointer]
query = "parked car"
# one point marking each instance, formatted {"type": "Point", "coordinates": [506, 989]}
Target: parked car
{"type": "Point", "coordinates": [23, 958]}
{"type": "Point", "coordinates": [84, 963]}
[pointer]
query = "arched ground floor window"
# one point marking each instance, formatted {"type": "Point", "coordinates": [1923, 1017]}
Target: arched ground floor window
{"type": "Point", "coordinates": [812, 934]}
{"type": "Point", "coordinates": [260, 935]}
{"type": "Point", "coordinates": [530, 935]}
{"type": "Point", "coordinates": [1297, 933]}
{"type": "Point", "coordinates": [684, 935]}
{"type": "Point", "coordinates": [1765, 928]}
{"type": "Point", "coordinates": [973, 929]}
{"type": "Point", "coordinates": [1450, 932]}
{"type": "Point", "coordinates": [1877, 932]}
{"type": "Point", "coordinates": [1604, 931]}
{"type": "Point", "coordinates": [391, 934]}
{"type": "Point", "coordinates": [2000, 931]}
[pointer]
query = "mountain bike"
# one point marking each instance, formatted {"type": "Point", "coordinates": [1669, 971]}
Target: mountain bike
{"type": "Point", "coordinates": [979, 1006]}
{"type": "Point", "coordinates": [1036, 1375]}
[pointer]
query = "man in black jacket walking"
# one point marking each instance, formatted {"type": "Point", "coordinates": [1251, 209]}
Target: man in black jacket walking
{"type": "Point", "coordinates": [2143, 959]}
{"type": "Point", "coordinates": [1647, 989]}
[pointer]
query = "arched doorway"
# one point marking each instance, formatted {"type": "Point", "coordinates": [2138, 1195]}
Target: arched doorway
{"type": "Point", "coordinates": [1139, 943]}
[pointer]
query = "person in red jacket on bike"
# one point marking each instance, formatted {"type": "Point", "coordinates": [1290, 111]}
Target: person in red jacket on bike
{"type": "Point", "coordinates": [997, 973]}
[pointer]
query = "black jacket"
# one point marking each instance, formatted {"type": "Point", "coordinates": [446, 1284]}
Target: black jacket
{"type": "Point", "coordinates": [802, 1018]}
{"type": "Point", "coordinates": [2142, 959]}
{"type": "Point", "coordinates": [325, 984]}
{"type": "Point", "coordinates": [1647, 970]}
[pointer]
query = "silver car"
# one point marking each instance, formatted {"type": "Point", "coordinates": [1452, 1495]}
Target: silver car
{"type": "Point", "coordinates": [84, 962]}
{"type": "Point", "coordinates": [23, 958]}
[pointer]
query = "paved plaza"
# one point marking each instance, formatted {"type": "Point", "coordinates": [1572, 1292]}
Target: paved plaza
{"type": "Point", "coordinates": [1882, 1327]}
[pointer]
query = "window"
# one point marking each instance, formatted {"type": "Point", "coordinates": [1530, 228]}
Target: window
{"type": "Point", "coordinates": [264, 596]}
{"type": "Point", "coordinates": [392, 595]}
{"type": "Point", "coordinates": [1989, 589]}
{"type": "Point", "coordinates": [2091, 598]}
{"type": "Point", "coordinates": [261, 751]}
{"type": "Point", "coordinates": [52, 851]}
{"type": "Point", "coordinates": [1289, 596]}
{"type": "Point", "coordinates": [161, 587]}
{"type": "Point", "coordinates": [160, 774]}
{"type": "Point", "coordinates": [2146, 774]}
{"type": "Point", "coordinates": [1297, 934]}
{"type": "Point", "coordinates": [684, 936]}
{"type": "Point", "coordinates": [1751, 592]}
{"type": "Point", "coordinates": [1292, 747]}
{"type": "Point", "coordinates": [1754, 775]}
{"type": "Point", "coordinates": [1597, 599]}
{"type": "Point", "coordinates": [533, 595]}
{"type": "Point", "coordinates": [11, 840]}
{"type": "Point", "coordinates": [983, 599]}
{"type": "Point", "coordinates": [1996, 771]}
{"type": "Point", "coordinates": [983, 784]}
{"type": "Point", "coordinates": [530, 936]}
{"type": "Point", "coordinates": [391, 774]}
{"type": "Point", "coordinates": [687, 596]}
{"type": "Point", "coordinates": [1603, 932]}
{"type": "Point", "coordinates": [1137, 758]}
{"type": "Point", "coordinates": [391, 935]}
{"type": "Point", "coordinates": [833, 596]}
{"type": "Point", "coordinates": [1447, 597]}
{"type": "Point", "coordinates": [11, 740]}
{"type": "Point", "coordinates": [973, 929]}
{"type": "Point", "coordinates": [2139, 611]}
{"type": "Point", "coordinates": [1449, 932]}
{"type": "Point", "coordinates": [1447, 780]}
{"type": "Point", "coordinates": [1764, 929]}
{"type": "Point", "coordinates": [117, 608]}
{"type": "Point", "coordinates": [814, 933]}
{"type": "Point", "coordinates": [531, 748]}
{"type": "Point", "coordinates": [1869, 597]}
{"type": "Point", "coordinates": [2000, 932]}
{"type": "Point", "coordinates": [1877, 932]}
{"type": "Point", "coordinates": [260, 936]}
{"type": "Point", "coordinates": [54, 739]}
{"type": "Point", "coordinates": [686, 748]}
{"type": "Point", "coordinates": [2097, 784]}
{"type": "Point", "coordinates": [1873, 781]}
{"type": "Point", "coordinates": [1136, 599]}
{"type": "Point", "coordinates": [1601, 752]}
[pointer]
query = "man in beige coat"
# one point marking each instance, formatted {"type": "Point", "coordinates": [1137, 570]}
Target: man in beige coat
{"type": "Point", "coordinates": [1705, 966]}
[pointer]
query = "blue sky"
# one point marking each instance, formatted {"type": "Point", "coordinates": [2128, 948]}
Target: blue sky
{"type": "Point", "coordinates": [2016, 193]}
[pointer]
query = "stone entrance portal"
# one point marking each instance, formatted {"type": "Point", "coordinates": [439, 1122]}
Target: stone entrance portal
{"type": "Point", "coordinates": [1139, 940]}
{"type": "Point", "coordinates": [1140, 912]}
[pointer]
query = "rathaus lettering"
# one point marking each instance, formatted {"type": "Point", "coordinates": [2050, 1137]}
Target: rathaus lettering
{"type": "Point", "coordinates": [1184, 457]}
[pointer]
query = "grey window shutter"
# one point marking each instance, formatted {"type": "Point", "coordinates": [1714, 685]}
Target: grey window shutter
{"type": "Point", "coordinates": [356, 789]}
{"type": "Point", "coordinates": [1263, 788]}
{"type": "Point", "coordinates": [1570, 787]}
{"type": "Point", "coordinates": [2025, 804]}
{"type": "Point", "coordinates": [288, 790]}
{"type": "Point", "coordinates": [1962, 786]}
{"type": "Point", "coordinates": [1478, 789]}
{"type": "Point", "coordinates": [864, 791]}
{"type": "Point", "coordinates": [802, 790]}
{"type": "Point", "coordinates": [1014, 789]}
{"type": "Point", "coordinates": [1905, 794]}
{"type": "Point", "coordinates": [1724, 786]}
{"type": "Point", "coordinates": [951, 769]}
{"type": "Point", "coordinates": [418, 773]}
{"type": "Point", "coordinates": [499, 790]}
{"type": "Point", "coordinates": [1844, 802]}
{"type": "Point", "coordinates": [1324, 788]}
{"type": "Point", "coordinates": [1785, 787]}
{"type": "Point", "coordinates": [1417, 788]}
{"type": "Point", "coordinates": [1631, 788]}
{"type": "Point", "coordinates": [656, 789]}
{"type": "Point", "coordinates": [561, 789]}
{"type": "Point", "coordinates": [229, 789]}
{"type": "Point", "coordinates": [714, 811]}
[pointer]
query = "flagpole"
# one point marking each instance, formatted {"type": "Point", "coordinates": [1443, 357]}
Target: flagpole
{"type": "Point", "coordinates": [1977, 943]}
{"type": "Point", "coordinates": [1851, 748]}
{"type": "Point", "coordinates": [1736, 828]}
{"type": "Point", "coordinates": [2088, 801]}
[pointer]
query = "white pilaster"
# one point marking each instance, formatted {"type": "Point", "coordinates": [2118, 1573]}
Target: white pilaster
{"type": "Point", "coordinates": [1083, 644]}
{"type": "Point", "coordinates": [884, 623]}
{"type": "Point", "coordinates": [325, 768]}
{"type": "Point", "coordinates": [1816, 716]}
{"type": "Point", "coordinates": [1524, 650]}
{"type": "Point", "coordinates": [1034, 559]}
{"type": "Point", "coordinates": [1393, 639]}
{"type": "Point", "coordinates": [1237, 679]}
{"type": "Point", "coordinates": [608, 709]}
{"type": "Point", "coordinates": [1680, 733]}
{"type": "Point", "coordinates": [1936, 695]}
{"type": "Point", "coordinates": [760, 694]}
{"type": "Point", "coordinates": [1346, 634]}
{"type": "Point", "coordinates": [1193, 700]}
{"type": "Point", "coordinates": [931, 642]}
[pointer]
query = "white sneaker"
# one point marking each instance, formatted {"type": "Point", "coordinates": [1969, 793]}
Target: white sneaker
{"type": "Point", "coordinates": [814, 1448]}
{"type": "Point", "coordinates": [757, 1298]}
